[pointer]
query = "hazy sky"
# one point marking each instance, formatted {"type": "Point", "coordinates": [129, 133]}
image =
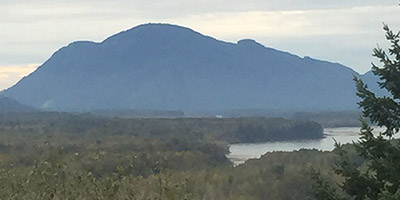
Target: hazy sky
{"type": "Point", "coordinates": [343, 31]}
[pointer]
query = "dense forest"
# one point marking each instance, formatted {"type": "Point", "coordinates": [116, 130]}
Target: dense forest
{"type": "Point", "coordinates": [67, 156]}
{"type": "Point", "coordinates": [230, 130]}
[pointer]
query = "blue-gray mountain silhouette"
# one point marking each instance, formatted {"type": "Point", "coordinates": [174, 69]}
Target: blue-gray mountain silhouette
{"type": "Point", "coordinates": [9, 105]}
{"type": "Point", "coordinates": [168, 67]}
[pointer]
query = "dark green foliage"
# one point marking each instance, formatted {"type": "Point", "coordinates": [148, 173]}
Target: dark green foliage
{"type": "Point", "coordinates": [250, 130]}
{"type": "Point", "coordinates": [332, 118]}
{"type": "Point", "coordinates": [230, 130]}
{"type": "Point", "coordinates": [322, 188]}
{"type": "Point", "coordinates": [379, 177]}
{"type": "Point", "coordinates": [131, 113]}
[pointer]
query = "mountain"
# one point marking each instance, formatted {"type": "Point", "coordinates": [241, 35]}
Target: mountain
{"type": "Point", "coordinates": [168, 67]}
{"type": "Point", "coordinates": [11, 105]}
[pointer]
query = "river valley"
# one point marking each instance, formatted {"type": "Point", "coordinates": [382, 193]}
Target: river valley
{"type": "Point", "coordinates": [239, 153]}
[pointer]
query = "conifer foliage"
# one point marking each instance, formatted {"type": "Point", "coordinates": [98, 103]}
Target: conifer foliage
{"type": "Point", "coordinates": [378, 176]}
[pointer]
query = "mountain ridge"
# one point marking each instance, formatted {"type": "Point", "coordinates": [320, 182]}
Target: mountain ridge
{"type": "Point", "coordinates": [169, 67]}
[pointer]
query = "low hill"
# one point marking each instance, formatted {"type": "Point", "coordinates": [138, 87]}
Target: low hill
{"type": "Point", "coordinates": [11, 105]}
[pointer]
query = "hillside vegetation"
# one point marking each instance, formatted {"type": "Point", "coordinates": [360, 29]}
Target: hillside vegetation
{"type": "Point", "coordinates": [66, 156]}
{"type": "Point", "coordinates": [231, 130]}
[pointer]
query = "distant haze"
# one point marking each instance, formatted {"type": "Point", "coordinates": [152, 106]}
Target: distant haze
{"type": "Point", "coordinates": [338, 31]}
{"type": "Point", "coordinates": [169, 67]}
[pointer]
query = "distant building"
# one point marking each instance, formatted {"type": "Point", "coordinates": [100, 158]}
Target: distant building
{"type": "Point", "coordinates": [219, 116]}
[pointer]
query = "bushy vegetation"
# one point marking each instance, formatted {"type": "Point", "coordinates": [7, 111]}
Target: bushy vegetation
{"type": "Point", "coordinates": [65, 156]}
{"type": "Point", "coordinates": [74, 168]}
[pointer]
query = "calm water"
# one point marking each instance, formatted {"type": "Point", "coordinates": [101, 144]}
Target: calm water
{"type": "Point", "coordinates": [239, 153]}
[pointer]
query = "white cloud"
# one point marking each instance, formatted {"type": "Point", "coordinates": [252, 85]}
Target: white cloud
{"type": "Point", "coordinates": [332, 30]}
{"type": "Point", "coordinates": [346, 36]}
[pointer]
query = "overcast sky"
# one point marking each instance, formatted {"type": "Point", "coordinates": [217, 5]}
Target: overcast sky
{"type": "Point", "coordinates": [343, 31]}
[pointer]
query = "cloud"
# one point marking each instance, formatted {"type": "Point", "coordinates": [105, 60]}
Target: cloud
{"type": "Point", "coordinates": [9, 75]}
{"type": "Point", "coordinates": [168, 8]}
{"type": "Point", "coordinates": [332, 30]}
{"type": "Point", "coordinates": [346, 35]}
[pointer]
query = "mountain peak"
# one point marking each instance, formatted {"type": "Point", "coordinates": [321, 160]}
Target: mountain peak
{"type": "Point", "coordinates": [248, 42]}
{"type": "Point", "coordinates": [153, 31]}
{"type": "Point", "coordinates": [170, 67]}
{"type": "Point", "coordinates": [159, 26]}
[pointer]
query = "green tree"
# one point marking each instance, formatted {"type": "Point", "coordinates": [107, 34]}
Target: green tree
{"type": "Point", "coordinates": [378, 178]}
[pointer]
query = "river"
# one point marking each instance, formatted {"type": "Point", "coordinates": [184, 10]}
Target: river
{"type": "Point", "coordinates": [239, 153]}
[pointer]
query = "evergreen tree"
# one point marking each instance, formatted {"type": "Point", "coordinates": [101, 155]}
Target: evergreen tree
{"type": "Point", "coordinates": [378, 178]}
